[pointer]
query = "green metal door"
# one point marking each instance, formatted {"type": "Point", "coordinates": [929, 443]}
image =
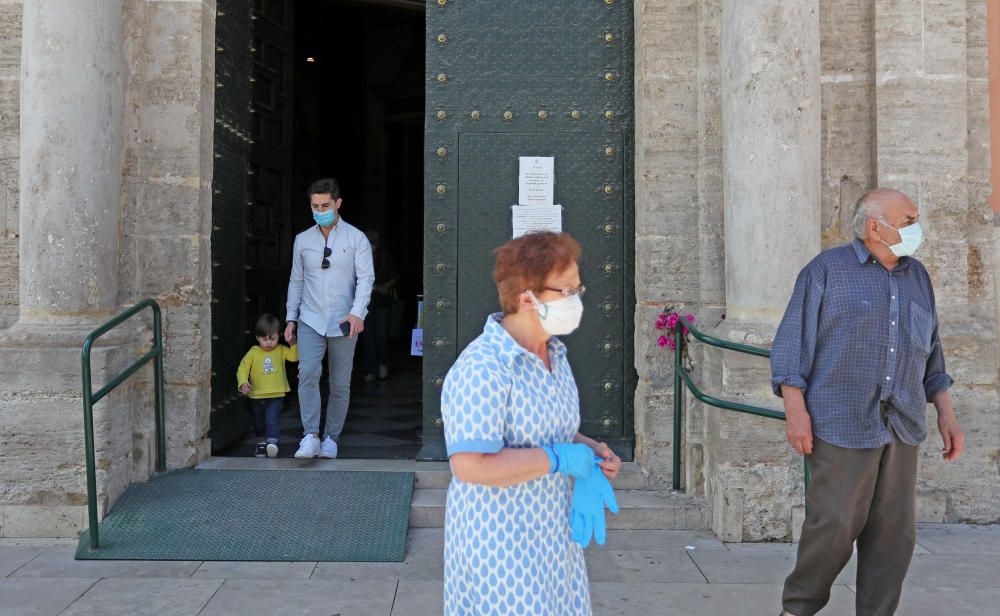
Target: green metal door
{"type": "Point", "coordinates": [530, 78]}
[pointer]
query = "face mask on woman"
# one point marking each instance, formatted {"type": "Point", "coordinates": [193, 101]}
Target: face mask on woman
{"type": "Point", "coordinates": [559, 317]}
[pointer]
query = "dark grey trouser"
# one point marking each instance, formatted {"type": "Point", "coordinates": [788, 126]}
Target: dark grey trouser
{"type": "Point", "coordinates": [863, 495]}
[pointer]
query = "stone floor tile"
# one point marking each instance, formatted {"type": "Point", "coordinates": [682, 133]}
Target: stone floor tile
{"type": "Point", "coordinates": [418, 598]}
{"type": "Point", "coordinates": [40, 597]}
{"type": "Point", "coordinates": [618, 599]}
{"type": "Point", "coordinates": [636, 566]}
{"type": "Point", "coordinates": [959, 538]}
{"type": "Point", "coordinates": [251, 570]}
{"type": "Point", "coordinates": [302, 598]}
{"type": "Point", "coordinates": [746, 565]}
{"type": "Point", "coordinates": [959, 571]}
{"type": "Point", "coordinates": [425, 540]}
{"type": "Point", "coordinates": [58, 562]}
{"type": "Point", "coordinates": [415, 567]}
{"type": "Point", "coordinates": [659, 540]}
{"type": "Point", "coordinates": [160, 596]}
{"type": "Point", "coordinates": [13, 558]}
{"type": "Point", "coordinates": [920, 601]}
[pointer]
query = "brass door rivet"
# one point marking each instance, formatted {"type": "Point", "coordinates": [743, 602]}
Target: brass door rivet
{"type": "Point", "coordinates": [442, 151]}
{"type": "Point", "coordinates": [609, 228]}
{"type": "Point", "coordinates": [439, 343]}
{"type": "Point", "coordinates": [444, 2]}
{"type": "Point", "coordinates": [438, 382]}
{"type": "Point", "coordinates": [441, 189]}
{"type": "Point", "coordinates": [441, 227]}
{"type": "Point", "coordinates": [475, 114]}
{"type": "Point", "coordinates": [442, 38]}
{"type": "Point", "coordinates": [441, 114]}
{"type": "Point", "coordinates": [609, 307]}
{"type": "Point", "coordinates": [608, 347]}
{"type": "Point", "coordinates": [608, 422]}
{"type": "Point", "coordinates": [439, 268]}
{"type": "Point", "coordinates": [609, 76]}
{"type": "Point", "coordinates": [439, 422]}
{"type": "Point", "coordinates": [442, 77]}
{"type": "Point", "coordinates": [543, 114]}
{"type": "Point", "coordinates": [608, 2]}
{"type": "Point", "coordinates": [609, 115]}
{"type": "Point", "coordinates": [608, 386]}
{"type": "Point", "coordinates": [609, 268]}
{"type": "Point", "coordinates": [441, 304]}
{"type": "Point", "coordinates": [575, 114]}
{"type": "Point", "coordinates": [608, 189]}
{"type": "Point", "coordinates": [508, 115]}
{"type": "Point", "coordinates": [609, 37]}
{"type": "Point", "coordinates": [609, 151]}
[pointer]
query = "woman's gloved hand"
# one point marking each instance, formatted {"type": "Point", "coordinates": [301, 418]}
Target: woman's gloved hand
{"type": "Point", "coordinates": [574, 459]}
{"type": "Point", "coordinates": [590, 497]}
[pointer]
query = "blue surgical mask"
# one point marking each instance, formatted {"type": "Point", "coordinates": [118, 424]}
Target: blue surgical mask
{"type": "Point", "coordinates": [325, 219]}
{"type": "Point", "coordinates": [910, 238]}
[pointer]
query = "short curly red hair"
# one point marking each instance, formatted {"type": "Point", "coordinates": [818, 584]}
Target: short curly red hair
{"type": "Point", "coordinates": [525, 262]}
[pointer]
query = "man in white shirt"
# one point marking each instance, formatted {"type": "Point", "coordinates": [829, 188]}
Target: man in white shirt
{"type": "Point", "coordinates": [328, 293]}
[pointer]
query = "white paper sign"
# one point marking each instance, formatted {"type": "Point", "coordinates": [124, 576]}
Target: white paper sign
{"type": "Point", "coordinates": [536, 180]}
{"type": "Point", "coordinates": [530, 218]}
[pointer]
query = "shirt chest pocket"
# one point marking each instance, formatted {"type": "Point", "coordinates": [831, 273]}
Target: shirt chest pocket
{"type": "Point", "coordinates": [921, 327]}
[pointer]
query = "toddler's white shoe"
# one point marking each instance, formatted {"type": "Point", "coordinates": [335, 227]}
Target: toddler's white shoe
{"type": "Point", "coordinates": [308, 447]}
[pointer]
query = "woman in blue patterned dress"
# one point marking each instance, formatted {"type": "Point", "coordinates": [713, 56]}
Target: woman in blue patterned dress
{"type": "Point", "coordinates": [511, 413]}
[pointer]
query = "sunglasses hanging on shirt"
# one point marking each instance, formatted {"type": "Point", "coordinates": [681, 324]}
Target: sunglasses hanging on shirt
{"type": "Point", "coordinates": [327, 251]}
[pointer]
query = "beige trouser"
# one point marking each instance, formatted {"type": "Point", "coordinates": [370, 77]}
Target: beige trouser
{"type": "Point", "coordinates": [863, 495]}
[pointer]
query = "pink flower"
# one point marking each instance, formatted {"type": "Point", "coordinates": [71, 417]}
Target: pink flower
{"type": "Point", "coordinates": [672, 344]}
{"type": "Point", "coordinates": [690, 317]}
{"type": "Point", "coordinates": [661, 321]}
{"type": "Point", "coordinates": [663, 341]}
{"type": "Point", "coordinates": [672, 320]}
{"type": "Point", "coordinates": [685, 330]}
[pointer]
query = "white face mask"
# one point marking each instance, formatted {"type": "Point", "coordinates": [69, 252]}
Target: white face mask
{"type": "Point", "coordinates": [559, 317]}
{"type": "Point", "coordinates": [910, 238]}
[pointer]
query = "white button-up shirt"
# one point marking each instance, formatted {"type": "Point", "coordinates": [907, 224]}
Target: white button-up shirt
{"type": "Point", "coordinates": [322, 298]}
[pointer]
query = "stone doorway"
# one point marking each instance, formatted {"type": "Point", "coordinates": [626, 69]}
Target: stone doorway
{"type": "Point", "coordinates": [335, 90]}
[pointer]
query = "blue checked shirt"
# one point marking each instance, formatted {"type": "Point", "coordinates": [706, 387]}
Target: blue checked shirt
{"type": "Point", "coordinates": [856, 335]}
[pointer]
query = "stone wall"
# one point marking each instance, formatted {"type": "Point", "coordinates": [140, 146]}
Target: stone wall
{"type": "Point", "coordinates": [10, 91]}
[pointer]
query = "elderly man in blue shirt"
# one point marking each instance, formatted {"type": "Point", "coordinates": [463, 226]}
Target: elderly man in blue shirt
{"type": "Point", "coordinates": [856, 359]}
{"type": "Point", "coordinates": [328, 294]}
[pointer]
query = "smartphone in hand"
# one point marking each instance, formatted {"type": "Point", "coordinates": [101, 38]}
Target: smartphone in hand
{"type": "Point", "coordinates": [345, 327]}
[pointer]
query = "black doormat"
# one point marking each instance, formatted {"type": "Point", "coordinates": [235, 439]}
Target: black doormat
{"type": "Point", "coordinates": [202, 514]}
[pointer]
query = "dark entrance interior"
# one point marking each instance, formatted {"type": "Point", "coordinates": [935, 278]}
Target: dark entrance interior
{"type": "Point", "coordinates": [336, 90]}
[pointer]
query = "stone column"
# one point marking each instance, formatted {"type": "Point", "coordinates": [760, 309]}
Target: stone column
{"type": "Point", "coordinates": [72, 91]}
{"type": "Point", "coordinates": [771, 188]}
{"type": "Point", "coordinates": [72, 94]}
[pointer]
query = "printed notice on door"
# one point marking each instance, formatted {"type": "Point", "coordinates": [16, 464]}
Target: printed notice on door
{"type": "Point", "coordinates": [536, 180]}
{"type": "Point", "coordinates": [531, 218]}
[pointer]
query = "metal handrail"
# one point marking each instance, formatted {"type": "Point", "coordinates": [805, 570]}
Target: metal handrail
{"type": "Point", "coordinates": [681, 376]}
{"type": "Point", "coordinates": [89, 398]}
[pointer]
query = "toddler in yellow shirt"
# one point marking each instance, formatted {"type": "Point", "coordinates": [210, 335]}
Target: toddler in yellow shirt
{"type": "Point", "coordinates": [262, 376]}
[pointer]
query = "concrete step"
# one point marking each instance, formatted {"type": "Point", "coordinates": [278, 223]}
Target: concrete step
{"type": "Point", "coordinates": [638, 510]}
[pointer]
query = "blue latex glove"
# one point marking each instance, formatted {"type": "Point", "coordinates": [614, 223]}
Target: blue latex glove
{"type": "Point", "coordinates": [590, 496]}
{"type": "Point", "coordinates": [574, 459]}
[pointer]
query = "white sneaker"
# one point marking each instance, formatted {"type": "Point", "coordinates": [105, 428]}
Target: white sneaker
{"type": "Point", "coordinates": [272, 450]}
{"type": "Point", "coordinates": [308, 447]}
{"type": "Point", "coordinates": [383, 371]}
{"type": "Point", "coordinates": [329, 448]}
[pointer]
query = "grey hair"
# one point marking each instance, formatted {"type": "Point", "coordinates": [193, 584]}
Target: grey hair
{"type": "Point", "coordinates": [870, 205]}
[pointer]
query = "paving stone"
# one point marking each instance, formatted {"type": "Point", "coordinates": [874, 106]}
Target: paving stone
{"type": "Point", "coordinates": [642, 566]}
{"type": "Point", "coordinates": [58, 562]}
{"type": "Point", "coordinates": [659, 540]}
{"type": "Point", "coordinates": [248, 570]}
{"type": "Point", "coordinates": [750, 565]}
{"type": "Point", "coordinates": [160, 596]}
{"type": "Point", "coordinates": [13, 558]}
{"type": "Point", "coordinates": [960, 571]}
{"type": "Point", "coordinates": [418, 598]}
{"type": "Point", "coordinates": [959, 538]}
{"type": "Point", "coordinates": [618, 599]}
{"type": "Point", "coordinates": [40, 597]}
{"type": "Point", "coordinates": [920, 601]}
{"type": "Point", "coordinates": [302, 597]}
